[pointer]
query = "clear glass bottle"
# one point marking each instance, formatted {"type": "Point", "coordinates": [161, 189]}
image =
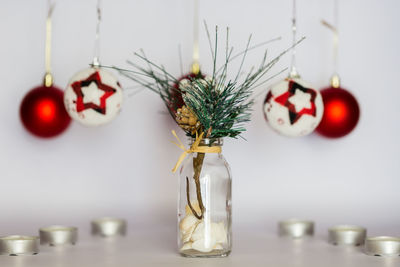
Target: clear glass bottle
{"type": "Point", "coordinates": [204, 204]}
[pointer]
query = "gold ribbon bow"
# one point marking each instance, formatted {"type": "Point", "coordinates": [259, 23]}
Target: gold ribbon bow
{"type": "Point", "coordinates": [194, 148]}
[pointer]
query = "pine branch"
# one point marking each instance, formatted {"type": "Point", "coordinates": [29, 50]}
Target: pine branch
{"type": "Point", "coordinates": [221, 106]}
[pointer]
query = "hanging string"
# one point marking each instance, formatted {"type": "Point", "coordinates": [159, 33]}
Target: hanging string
{"type": "Point", "coordinates": [196, 54]}
{"type": "Point", "coordinates": [48, 78]}
{"type": "Point", "coordinates": [336, 36]}
{"type": "Point", "coordinates": [180, 59]}
{"type": "Point", "coordinates": [293, 71]}
{"type": "Point", "coordinates": [96, 56]}
{"type": "Point", "coordinates": [335, 80]}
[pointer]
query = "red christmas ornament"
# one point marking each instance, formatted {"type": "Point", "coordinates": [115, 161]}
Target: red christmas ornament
{"type": "Point", "coordinates": [176, 93]}
{"type": "Point", "coordinates": [43, 113]}
{"type": "Point", "coordinates": [341, 112]}
{"type": "Point", "coordinates": [42, 110]}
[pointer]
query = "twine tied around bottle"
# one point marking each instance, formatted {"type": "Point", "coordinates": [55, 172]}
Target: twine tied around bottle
{"type": "Point", "coordinates": [195, 147]}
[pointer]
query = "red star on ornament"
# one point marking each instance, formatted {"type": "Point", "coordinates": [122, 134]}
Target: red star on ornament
{"type": "Point", "coordinates": [94, 78]}
{"type": "Point", "coordinates": [283, 99]}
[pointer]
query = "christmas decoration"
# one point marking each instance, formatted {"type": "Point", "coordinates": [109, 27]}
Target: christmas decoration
{"type": "Point", "coordinates": [42, 110]}
{"type": "Point", "coordinates": [292, 107]}
{"type": "Point", "coordinates": [194, 74]}
{"type": "Point", "coordinates": [176, 92]}
{"type": "Point", "coordinates": [93, 97]}
{"type": "Point", "coordinates": [187, 120]}
{"type": "Point", "coordinates": [342, 111]}
{"type": "Point", "coordinates": [211, 108]}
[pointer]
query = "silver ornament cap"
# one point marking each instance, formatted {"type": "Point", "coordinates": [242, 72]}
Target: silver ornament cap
{"type": "Point", "coordinates": [385, 246]}
{"type": "Point", "coordinates": [347, 235]}
{"type": "Point", "coordinates": [57, 235]}
{"type": "Point", "coordinates": [15, 245]}
{"type": "Point", "coordinates": [296, 228]}
{"type": "Point", "coordinates": [108, 227]}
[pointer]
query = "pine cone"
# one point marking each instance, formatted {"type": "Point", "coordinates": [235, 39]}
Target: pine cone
{"type": "Point", "coordinates": [187, 120]}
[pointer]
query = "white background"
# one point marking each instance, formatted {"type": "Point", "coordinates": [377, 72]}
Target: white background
{"type": "Point", "coordinates": [123, 169]}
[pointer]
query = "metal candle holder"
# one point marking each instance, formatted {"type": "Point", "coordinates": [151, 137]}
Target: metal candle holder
{"type": "Point", "coordinates": [15, 245]}
{"type": "Point", "coordinates": [386, 246]}
{"type": "Point", "coordinates": [107, 227]}
{"type": "Point", "coordinates": [296, 228]}
{"type": "Point", "coordinates": [347, 235]}
{"type": "Point", "coordinates": [56, 235]}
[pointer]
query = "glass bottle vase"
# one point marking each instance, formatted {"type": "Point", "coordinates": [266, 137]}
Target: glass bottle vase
{"type": "Point", "coordinates": [204, 204]}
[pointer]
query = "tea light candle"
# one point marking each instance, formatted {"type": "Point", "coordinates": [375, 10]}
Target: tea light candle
{"type": "Point", "coordinates": [107, 227]}
{"type": "Point", "coordinates": [347, 235]}
{"type": "Point", "coordinates": [15, 245]}
{"type": "Point", "coordinates": [296, 228]}
{"type": "Point", "coordinates": [56, 235]}
{"type": "Point", "coordinates": [386, 246]}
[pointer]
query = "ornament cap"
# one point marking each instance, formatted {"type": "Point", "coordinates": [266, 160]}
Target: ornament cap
{"type": "Point", "coordinates": [48, 80]}
{"type": "Point", "coordinates": [96, 62]}
{"type": "Point", "coordinates": [293, 74]}
{"type": "Point", "coordinates": [195, 68]}
{"type": "Point", "coordinates": [335, 81]}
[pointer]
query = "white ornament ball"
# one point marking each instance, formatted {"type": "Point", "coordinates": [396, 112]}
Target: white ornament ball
{"type": "Point", "coordinates": [93, 97]}
{"type": "Point", "coordinates": [293, 108]}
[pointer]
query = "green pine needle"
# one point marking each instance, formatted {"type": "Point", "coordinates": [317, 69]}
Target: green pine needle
{"type": "Point", "coordinates": [222, 106]}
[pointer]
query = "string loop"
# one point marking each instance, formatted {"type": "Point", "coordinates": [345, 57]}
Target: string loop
{"type": "Point", "coordinates": [96, 61]}
{"type": "Point", "coordinates": [196, 54]}
{"type": "Point", "coordinates": [335, 80]}
{"type": "Point", "coordinates": [48, 78]}
{"type": "Point", "coordinates": [293, 70]}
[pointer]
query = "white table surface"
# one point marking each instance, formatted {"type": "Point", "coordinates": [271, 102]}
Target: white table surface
{"type": "Point", "coordinates": [156, 247]}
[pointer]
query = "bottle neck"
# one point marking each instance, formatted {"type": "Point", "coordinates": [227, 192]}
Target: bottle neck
{"type": "Point", "coordinates": [208, 141]}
